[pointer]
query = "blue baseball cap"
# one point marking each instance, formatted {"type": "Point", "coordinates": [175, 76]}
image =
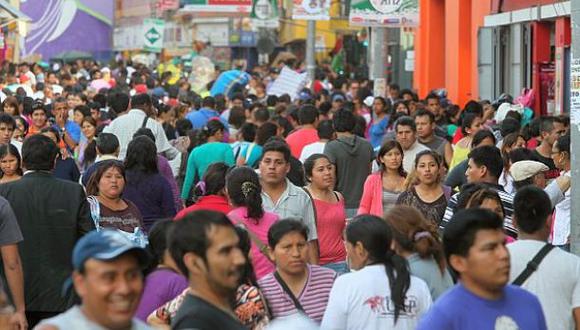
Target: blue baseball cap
{"type": "Point", "coordinates": [106, 244]}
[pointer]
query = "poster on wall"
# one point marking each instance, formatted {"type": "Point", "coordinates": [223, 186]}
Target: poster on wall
{"type": "Point", "coordinates": [153, 31]}
{"type": "Point", "coordinates": [318, 10]}
{"type": "Point", "coordinates": [575, 91]}
{"type": "Point", "coordinates": [265, 14]}
{"type": "Point", "coordinates": [384, 13]}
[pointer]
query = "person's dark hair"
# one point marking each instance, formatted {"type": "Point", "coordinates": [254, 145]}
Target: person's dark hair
{"type": "Point", "coordinates": [237, 117]}
{"type": "Point", "coordinates": [248, 274]}
{"type": "Point", "coordinates": [473, 107]}
{"type": "Point", "coordinates": [244, 189]}
{"type": "Point", "coordinates": [183, 126]}
{"type": "Point", "coordinates": [474, 194]}
{"type": "Point", "coordinates": [141, 156]}
{"type": "Point", "coordinates": [139, 101]}
{"type": "Point", "coordinates": [7, 119]}
{"type": "Point", "coordinates": [416, 234]}
{"type": "Point", "coordinates": [90, 153]}
{"type": "Point", "coordinates": [107, 143]}
{"type": "Point", "coordinates": [144, 131]}
{"type": "Point", "coordinates": [118, 102]}
{"type": "Point", "coordinates": [425, 113]}
{"type": "Point", "coordinates": [157, 246]}
{"type": "Point", "coordinates": [432, 96]}
{"type": "Point", "coordinates": [385, 148]}
{"type": "Point", "coordinates": [325, 130]}
{"type": "Point", "coordinates": [52, 130]}
{"type": "Point", "coordinates": [547, 124]}
{"type": "Point", "coordinates": [83, 109]}
{"type": "Point", "coordinates": [480, 136]}
{"type": "Point", "coordinates": [12, 101]}
{"type": "Point", "coordinates": [208, 102]}
{"type": "Point", "coordinates": [406, 121]}
{"type": "Point", "coordinates": [564, 144]}
{"type": "Point", "coordinates": [10, 149]}
{"type": "Point", "coordinates": [509, 126]}
{"type": "Point", "coordinates": [265, 132]}
{"type": "Point", "coordinates": [309, 164]}
{"type": "Point", "coordinates": [467, 121]}
{"type": "Point", "coordinates": [39, 153]}
{"type": "Point", "coordinates": [190, 234]}
{"type": "Point", "coordinates": [101, 99]}
{"type": "Point", "coordinates": [248, 131]}
{"type": "Point", "coordinates": [101, 167]}
{"type": "Point", "coordinates": [520, 154]}
{"type": "Point", "coordinates": [210, 129]}
{"type": "Point", "coordinates": [261, 114]}
{"type": "Point", "coordinates": [283, 227]}
{"type": "Point", "coordinates": [376, 236]}
{"type": "Point", "coordinates": [277, 146]}
{"type": "Point", "coordinates": [396, 106]}
{"type": "Point", "coordinates": [432, 154]}
{"type": "Point", "coordinates": [344, 121]}
{"type": "Point", "coordinates": [307, 114]}
{"type": "Point", "coordinates": [460, 232]}
{"type": "Point", "coordinates": [213, 181]}
{"type": "Point", "coordinates": [490, 157]}
{"type": "Point", "coordinates": [508, 142]}
{"type": "Point", "coordinates": [23, 122]}
{"type": "Point", "coordinates": [532, 207]}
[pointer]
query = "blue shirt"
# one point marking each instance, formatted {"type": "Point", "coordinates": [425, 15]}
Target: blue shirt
{"type": "Point", "coordinates": [72, 129]}
{"type": "Point", "coordinates": [377, 131]}
{"type": "Point", "coordinates": [200, 117]}
{"type": "Point", "coordinates": [458, 309]}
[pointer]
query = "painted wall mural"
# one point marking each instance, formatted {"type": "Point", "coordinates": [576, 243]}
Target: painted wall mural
{"type": "Point", "coordinates": [68, 25]}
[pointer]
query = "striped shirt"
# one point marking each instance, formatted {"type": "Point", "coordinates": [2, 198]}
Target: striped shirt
{"type": "Point", "coordinates": [507, 201]}
{"type": "Point", "coordinates": [313, 298]}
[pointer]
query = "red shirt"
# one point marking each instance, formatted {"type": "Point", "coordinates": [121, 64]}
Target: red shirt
{"type": "Point", "coordinates": [211, 202]}
{"type": "Point", "coordinates": [300, 138]}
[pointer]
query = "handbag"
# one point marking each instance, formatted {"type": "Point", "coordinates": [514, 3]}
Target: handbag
{"type": "Point", "coordinates": [138, 236]}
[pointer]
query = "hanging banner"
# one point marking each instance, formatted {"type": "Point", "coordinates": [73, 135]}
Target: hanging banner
{"type": "Point", "coordinates": [153, 30]}
{"type": "Point", "coordinates": [384, 13]}
{"type": "Point", "coordinates": [265, 14]}
{"type": "Point", "coordinates": [318, 10]}
{"type": "Point", "coordinates": [217, 6]}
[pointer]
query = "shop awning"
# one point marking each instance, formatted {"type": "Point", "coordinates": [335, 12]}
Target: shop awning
{"type": "Point", "coordinates": [530, 14]}
{"type": "Point", "coordinates": [7, 11]}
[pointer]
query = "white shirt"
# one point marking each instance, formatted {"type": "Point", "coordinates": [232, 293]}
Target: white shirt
{"type": "Point", "coordinates": [362, 300]}
{"type": "Point", "coordinates": [126, 125]}
{"type": "Point", "coordinates": [556, 282]}
{"type": "Point", "coordinates": [562, 219]}
{"type": "Point", "coordinates": [311, 149]}
{"type": "Point", "coordinates": [409, 155]}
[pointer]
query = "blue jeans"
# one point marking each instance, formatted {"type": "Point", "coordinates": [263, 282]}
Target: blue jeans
{"type": "Point", "coordinates": [339, 267]}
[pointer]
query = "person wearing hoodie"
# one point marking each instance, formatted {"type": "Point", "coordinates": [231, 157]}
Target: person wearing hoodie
{"type": "Point", "coordinates": [352, 157]}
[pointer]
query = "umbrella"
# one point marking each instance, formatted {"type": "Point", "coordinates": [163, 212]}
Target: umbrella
{"type": "Point", "coordinates": [228, 81]}
{"type": "Point", "coordinates": [73, 55]}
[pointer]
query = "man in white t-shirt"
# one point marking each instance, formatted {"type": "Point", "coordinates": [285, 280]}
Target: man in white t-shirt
{"type": "Point", "coordinates": [326, 133]}
{"type": "Point", "coordinates": [406, 131]}
{"type": "Point", "coordinates": [556, 282]}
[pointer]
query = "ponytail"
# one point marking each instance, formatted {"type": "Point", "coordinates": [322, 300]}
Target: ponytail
{"type": "Point", "coordinates": [253, 199]}
{"type": "Point", "coordinates": [243, 186]}
{"type": "Point", "coordinates": [211, 128]}
{"type": "Point", "coordinates": [376, 236]}
{"type": "Point", "coordinates": [399, 283]}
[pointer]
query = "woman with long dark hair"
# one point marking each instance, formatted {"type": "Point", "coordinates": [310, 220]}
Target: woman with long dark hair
{"type": "Point", "coordinates": [417, 240]}
{"type": "Point", "coordinates": [245, 194]}
{"type": "Point", "coordinates": [382, 188]}
{"type": "Point", "coordinates": [10, 163]}
{"type": "Point", "coordinates": [427, 195]}
{"type": "Point", "coordinates": [145, 187]}
{"type": "Point", "coordinates": [381, 294]}
{"type": "Point", "coordinates": [210, 149]}
{"type": "Point", "coordinates": [86, 151]}
{"type": "Point", "coordinates": [330, 211]}
{"type": "Point", "coordinates": [210, 192]}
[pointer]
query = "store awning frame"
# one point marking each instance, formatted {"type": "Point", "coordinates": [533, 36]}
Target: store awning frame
{"type": "Point", "coordinates": [530, 14]}
{"type": "Point", "coordinates": [15, 13]}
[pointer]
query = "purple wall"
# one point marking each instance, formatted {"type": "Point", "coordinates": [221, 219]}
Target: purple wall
{"type": "Point", "coordinates": [65, 25]}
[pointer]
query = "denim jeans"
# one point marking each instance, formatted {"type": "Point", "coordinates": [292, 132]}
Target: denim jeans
{"type": "Point", "coordinates": [339, 267]}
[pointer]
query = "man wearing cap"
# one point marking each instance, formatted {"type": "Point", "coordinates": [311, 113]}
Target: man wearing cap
{"type": "Point", "coordinates": [108, 278]}
{"type": "Point", "coordinates": [530, 172]}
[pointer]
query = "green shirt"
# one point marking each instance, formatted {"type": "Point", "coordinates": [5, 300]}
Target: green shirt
{"type": "Point", "coordinates": [203, 156]}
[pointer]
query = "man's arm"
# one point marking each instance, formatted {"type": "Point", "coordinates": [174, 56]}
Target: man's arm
{"type": "Point", "coordinates": [15, 279]}
{"type": "Point", "coordinates": [576, 314]}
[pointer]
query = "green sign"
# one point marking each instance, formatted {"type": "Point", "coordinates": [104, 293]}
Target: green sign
{"type": "Point", "coordinates": [153, 34]}
{"type": "Point", "coordinates": [385, 13]}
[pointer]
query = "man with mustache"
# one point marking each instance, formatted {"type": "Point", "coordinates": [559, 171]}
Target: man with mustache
{"type": "Point", "coordinates": [474, 244]}
{"type": "Point", "coordinates": [108, 278]}
{"type": "Point", "coordinates": [205, 247]}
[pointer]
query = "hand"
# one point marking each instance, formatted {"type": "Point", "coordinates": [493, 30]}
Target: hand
{"type": "Point", "coordinates": [18, 321]}
{"type": "Point", "coordinates": [60, 119]}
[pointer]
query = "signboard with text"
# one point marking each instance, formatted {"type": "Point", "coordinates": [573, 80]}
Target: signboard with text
{"type": "Point", "coordinates": [153, 30]}
{"type": "Point", "coordinates": [218, 6]}
{"type": "Point", "coordinates": [318, 10]}
{"type": "Point", "coordinates": [384, 13]}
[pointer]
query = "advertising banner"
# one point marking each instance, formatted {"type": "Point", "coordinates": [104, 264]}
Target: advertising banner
{"type": "Point", "coordinates": [318, 10]}
{"type": "Point", "coordinates": [384, 13]}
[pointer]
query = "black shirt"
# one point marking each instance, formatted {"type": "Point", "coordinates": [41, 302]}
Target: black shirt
{"type": "Point", "coordinates": [196, 313]}
{"type": "Point", "coordinates": [553, 171]}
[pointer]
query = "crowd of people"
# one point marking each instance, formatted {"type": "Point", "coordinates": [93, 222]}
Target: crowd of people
{"type": "Point", "coordinates": [128, 201]}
